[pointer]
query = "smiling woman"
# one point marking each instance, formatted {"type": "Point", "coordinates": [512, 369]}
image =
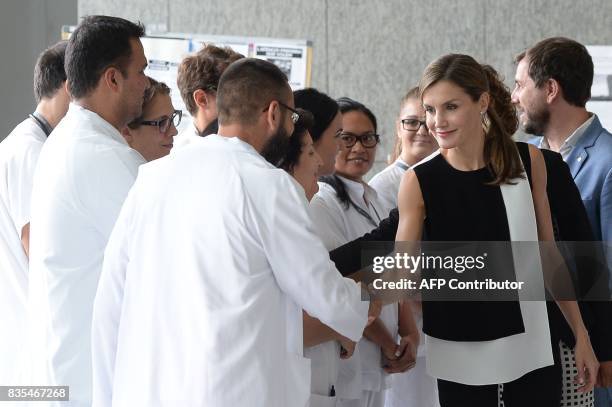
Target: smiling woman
{"type": "Point", "coordinates": [153, 132]}
{"type": "Point", "coordinates": [477, 188]}
{"type": "Point", "coordinates": [344, 209]}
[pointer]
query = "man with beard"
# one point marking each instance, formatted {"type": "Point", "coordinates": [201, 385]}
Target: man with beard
{"type": "Point", "coordinates": [210, 264]}
{"type": "Point", "coordinates": [83, 175]}
{"type": "Point", "coordinates": [553, 83]}
{"type": "Point", "coordinates": [198, 79]}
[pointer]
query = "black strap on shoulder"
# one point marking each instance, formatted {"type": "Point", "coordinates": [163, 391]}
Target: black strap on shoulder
{"type": "Point", "coordinates": [42, 123]}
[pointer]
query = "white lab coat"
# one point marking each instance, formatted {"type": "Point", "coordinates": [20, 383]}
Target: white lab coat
{"type": "Point", "coordinates": [337, 226]}
{"type": "Point", "coordinates": [19, 153]}
{"type": "Point", "coordinates": [211, 261]}
{"type": "Point", "coordinates": [84, 173]}
{"type": "Point", "coordinates": [185, 137]}
{"type": "Point", "coordinates": [386, 183]}
{"type": "Point", "coordinates": [415, 387]}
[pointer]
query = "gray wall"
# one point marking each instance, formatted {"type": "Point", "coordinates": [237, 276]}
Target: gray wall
{"type": "Point", "coordinates": [373, 51]}
{"type": "Point", "coordinates": [27, 27]}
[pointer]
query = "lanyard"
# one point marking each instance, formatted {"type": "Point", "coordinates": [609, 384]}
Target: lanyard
{"type": "Point", "coordinates": [402, 165]}
{"type": "Point", "coordinates": [366, 214]}
{"type": "Point", "coordinates": [42, 123]}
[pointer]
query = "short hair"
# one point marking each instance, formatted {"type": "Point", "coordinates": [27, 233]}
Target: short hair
{"type": "Point", "coordinates": [156, 88]}
{"type": "Point", "coordinates": [202, 70]}
{"type": "Point", "coordinates": [294, 148]}
{"type": "Point", "coordinates": [49, 73]}
{"type": "Point", "coordinates": [349, 105]}
{"type": "Point", "coordinates": [96, 44]}
{"type": "Point", "coordinates": [566, 61]}
{"type": "Point", "coordinates": [246, 87]}
{"type": "Point", "coordinates": [322, 107]}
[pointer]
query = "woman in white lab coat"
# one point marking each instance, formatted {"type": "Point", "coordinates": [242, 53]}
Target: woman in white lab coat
{"type": "Point", "coordinates": [414, 388]}
{"type": "Point", "coordinates": [152, 133]}
{"type": "Point", "coordinates": [412, 144]}
{"type": "Point", "coordinates": [344, 209]}
{"type": "Point", "coordinates": [324, 346]}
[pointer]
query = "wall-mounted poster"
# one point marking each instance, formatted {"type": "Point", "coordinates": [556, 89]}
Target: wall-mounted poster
{"type": "Point", "coordinates": [601, 91]}
{"type": "Point", "coordinates": [294, 61]}
{"type": "Point", "coordinates": [165, 52]}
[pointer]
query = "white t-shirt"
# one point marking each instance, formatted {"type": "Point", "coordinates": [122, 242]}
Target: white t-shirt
{"type": "Point", "coordinates": [84, 172]}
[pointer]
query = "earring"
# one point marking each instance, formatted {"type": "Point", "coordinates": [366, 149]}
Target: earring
{"type": "Point", "coordinates": [486, 122]}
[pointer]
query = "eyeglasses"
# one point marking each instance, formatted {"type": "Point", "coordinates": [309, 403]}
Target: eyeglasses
{"type": "Point", "coordinates": [295, 116]}
{"type": "Point", "coordinates": [413, 124]}
{"type": "Point", "coordinates": [163, 124]}
{"type": "Point", "coordinates": [368, 140]}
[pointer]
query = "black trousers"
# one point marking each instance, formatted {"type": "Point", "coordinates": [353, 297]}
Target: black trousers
{"type": "Point", "coordinates": [540, 388]}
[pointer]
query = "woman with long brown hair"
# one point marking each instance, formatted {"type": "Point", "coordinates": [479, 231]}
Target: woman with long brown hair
{"type": "Point", "coordinates": [476, 189]}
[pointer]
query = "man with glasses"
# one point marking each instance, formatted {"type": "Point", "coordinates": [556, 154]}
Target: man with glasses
{"type": "Point", "coordinates": [198, 79]}
{"type": "Point", "coordinates": [200, 302]}
{"type": "Point", "coordinates": [84, 172]}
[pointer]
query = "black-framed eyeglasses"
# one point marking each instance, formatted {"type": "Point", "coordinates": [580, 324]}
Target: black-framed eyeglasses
{"type": "Point", "coordinates": [163, 124]}
{"type": "Point", "coordinates": [348, 139]}
{"type": "Point", "coordinates": [295, 115]}
{"type": "Point", "coordinates": [413, 124]}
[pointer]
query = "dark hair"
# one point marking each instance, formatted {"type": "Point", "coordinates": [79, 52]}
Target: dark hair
{"type": "Point", "coordinates": [202, 71]}
{"type": "Point", "coordinates": [294, 149]}
{"type": "Point", "coordinates": [566, 61]}
{"type": "Point", "coordinates": [322, 107]}
{"type": "Point", "coordinates": [349, 105]}
{"type": "Point", "coordinates": [156, 88]}
{"type": "Point", "coordinates": [336, 183]}
{"type": "Point", "coordinates": [500, 152]}
{"type": "Point", "coordinates": [412, 94]}
{"type": "Point", "coordinates": [49, 73]}
{"type": "Point", "coordinates": [96, 44]}
{"type": "Point", "coordinates": [246, 87]}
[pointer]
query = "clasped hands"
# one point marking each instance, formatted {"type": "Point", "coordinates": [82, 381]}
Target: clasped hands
{"type": "Point", "coordinates": [399, 358]}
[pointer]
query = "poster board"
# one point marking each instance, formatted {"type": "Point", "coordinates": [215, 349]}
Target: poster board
{"type": "Point", "coordinates": [165, 52]}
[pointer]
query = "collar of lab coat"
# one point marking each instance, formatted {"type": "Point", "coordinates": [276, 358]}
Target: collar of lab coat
{"type": "Point", "coordinates": [95, 122]}
{"type": "Point", "coordinates": [358, 191]}
{"type": "Point", "coordinates": [237, 144]}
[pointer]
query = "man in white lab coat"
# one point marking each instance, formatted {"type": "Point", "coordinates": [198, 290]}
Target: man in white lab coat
{"type": "Point", "coordinates": [210, 264]}
{"type": "Point", "coordinates": [198, 79]}
{"type": "Point", "coordinates": [84, 173]}
{"type": "Point", "coordinates": [19, 153]}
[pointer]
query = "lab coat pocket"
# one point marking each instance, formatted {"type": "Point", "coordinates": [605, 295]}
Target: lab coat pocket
{"type": "Point", "coordinates": [297, 381]}
{"type": "Point", "coordinates": [317, 400]}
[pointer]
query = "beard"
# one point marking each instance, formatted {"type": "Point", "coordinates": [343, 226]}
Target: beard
{"type": "Point", "coordinates": [275, 149]}
{"type": "Point", "coordinates": [537, 122]}
{"type": "Point", "coordinates": [212, 128]}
